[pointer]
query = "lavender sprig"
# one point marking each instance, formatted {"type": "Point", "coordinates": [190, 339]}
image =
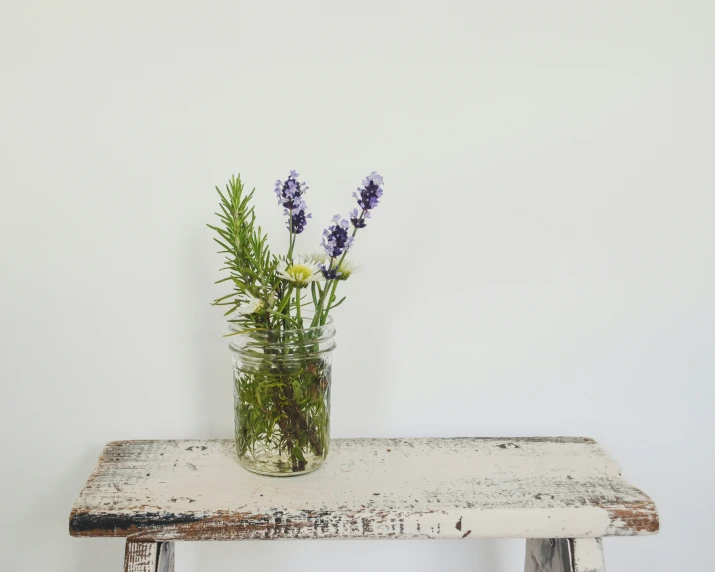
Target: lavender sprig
{"type": "Point", "coordinates": [290, 195]}
{"type": "Point", "coordinates": [368, 197]}
{"type": "Point", "coordinates": [337, 242]}
{"type": "Point", "coordinates": [335, 237]}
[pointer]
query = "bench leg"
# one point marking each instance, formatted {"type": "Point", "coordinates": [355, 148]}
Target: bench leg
{"type": "Point", "coordinates": [564, 555]}
{"type": "Point", "coordinates": [149, 557]}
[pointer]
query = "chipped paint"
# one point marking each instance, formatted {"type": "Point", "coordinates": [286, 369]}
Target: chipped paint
{"type": "Point", "coordinates": [149, 557]}
{"type": "Point", "coordinates": [368, 488]}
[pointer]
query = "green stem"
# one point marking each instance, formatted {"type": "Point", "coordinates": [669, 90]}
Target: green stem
{"type": "Point", "coordinates": [313, 286]}
{"type": "Point", "coordinates": [297, 307]}
{"type": "Point", "coordinates": [319, 317]}
{"type": "Point", "coordinates": [286, 299]}
{"type": "Point", "coordinates": [284, 317]}
{"type": "Point", "coordinates": [319, 306]}
{"type": "Point", "coordinates": [331, 299]}
{"type": "Point", "coordinates": [291, 245]}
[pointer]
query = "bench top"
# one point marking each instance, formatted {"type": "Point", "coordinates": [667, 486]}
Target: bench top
{"type": "Point", "coordinates": [555, 487]}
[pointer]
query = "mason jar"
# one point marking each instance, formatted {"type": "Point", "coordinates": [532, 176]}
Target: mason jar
{"type": "Point", "coordinates": [282, 398]}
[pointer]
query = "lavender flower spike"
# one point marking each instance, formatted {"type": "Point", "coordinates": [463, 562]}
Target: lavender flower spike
{"type": "Point", "coordinates": [290, 195]}
{"type": "Point", "coordinates": [368, 197]}
{"type": "Point", "coordinates": [358, 218]}
{"type": "Point", "coordinates": [336, 239]}
{"type": "Point", "coordinates": [330, 273]}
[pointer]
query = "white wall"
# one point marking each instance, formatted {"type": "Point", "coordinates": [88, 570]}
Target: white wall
{"type": "Point", "coordinates": [542, 262]}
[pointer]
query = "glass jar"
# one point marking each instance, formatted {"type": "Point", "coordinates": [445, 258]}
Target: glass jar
{"type": "Point", "coordinates": [282, 398]}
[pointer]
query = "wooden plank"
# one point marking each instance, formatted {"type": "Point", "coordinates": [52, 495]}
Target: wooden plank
{"type": "Point", "coordinates": [547, 555]}
{"type": "Point", "coordinates": [140, 556]}
{"type": "Point", "coordinates": [368, 488]}
{"type": "Point", "coordinates": [587, 555]}
{"type": "Point", "coordinates": [149, 557]}
{"type": "Point", "coordinates": [564, 555]}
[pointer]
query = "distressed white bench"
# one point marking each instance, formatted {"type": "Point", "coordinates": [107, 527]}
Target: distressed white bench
{"type": "Point", "coordinates": [562, 494]}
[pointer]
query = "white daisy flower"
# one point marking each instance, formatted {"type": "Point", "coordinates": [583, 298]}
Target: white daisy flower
{"type": "Point", "coordinates": [301, 273]}
{"type": "Point", "coordinates": [251, 306]}
{"type": "Point", "coordinates": [348, 267]}
{"type": "Point", "coordinates": [317, 257]}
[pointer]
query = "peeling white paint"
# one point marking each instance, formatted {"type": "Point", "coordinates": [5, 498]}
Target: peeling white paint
{"type": "Point", "coordinates": [368, 488]}
{"type": "Point", "coordinates": [587, 555]}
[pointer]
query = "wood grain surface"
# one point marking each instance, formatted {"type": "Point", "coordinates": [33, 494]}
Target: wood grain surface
{"type": "Point", "coordinates": [368, 488]}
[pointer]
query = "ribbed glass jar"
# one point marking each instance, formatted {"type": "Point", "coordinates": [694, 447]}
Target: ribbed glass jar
{"type": "Point", "coordinates": [282, 398]}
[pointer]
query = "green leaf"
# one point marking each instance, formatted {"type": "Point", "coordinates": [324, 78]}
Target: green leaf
{"type": "Point", "coordinates": [338, 304]}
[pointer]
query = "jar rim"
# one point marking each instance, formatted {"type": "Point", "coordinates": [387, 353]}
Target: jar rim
{"type": "Point", "coordinates": [286, 339]}
{"type": "Point", "coordinates": [236, 328]}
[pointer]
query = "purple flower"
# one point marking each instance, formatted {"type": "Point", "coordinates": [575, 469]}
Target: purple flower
{"type": "Point", "coordinates": [290, 195]}
{"type": "Point", "coordinates": [368, 196]}
{"type": "Point", "coordinates": [358, 218]}
{"type": "Point", "coordinates": [336, 239]}
{"type": "Point", "coordinates": [298, 217]}
{"type": "Point", "coordinates": [330, 273]}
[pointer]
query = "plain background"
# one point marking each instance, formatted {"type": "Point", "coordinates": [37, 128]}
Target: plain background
{"type": "Point", "coordinates": [542, 262]}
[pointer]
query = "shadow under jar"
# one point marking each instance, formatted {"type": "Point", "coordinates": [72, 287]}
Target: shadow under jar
{"type": "Point", "coordinates": [282, 398]}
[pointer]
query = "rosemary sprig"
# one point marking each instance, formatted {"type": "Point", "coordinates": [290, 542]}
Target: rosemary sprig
{"type": "Point", "coordinates": [249, 261]}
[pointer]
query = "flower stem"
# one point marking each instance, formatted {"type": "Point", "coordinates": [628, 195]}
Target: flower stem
{"type": "Point", "coordinates": [331, 298]}
{"type": "Point", "coordinates": [286, 299]}
{"type": "Point", "coordinates": [319, 312]}
{"type": "Point", "coordinates": [297, 307]}
{"type": "Point", "coordinates": [291, 243]}
{"type": "Point", "coordinates": [284, 317]}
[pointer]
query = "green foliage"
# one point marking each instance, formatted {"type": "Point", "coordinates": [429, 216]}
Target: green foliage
{"type": "Point", "coordinates": [249, 262]}
{"type": "Point", "coordinates": [252, 269]}
{"type": "Point", "coordinates": [282, 399]}
{"type": "Point", "coordinates": [282, 414]}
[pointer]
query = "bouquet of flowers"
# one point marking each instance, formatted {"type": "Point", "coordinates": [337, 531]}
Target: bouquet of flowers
{"type": "Point", "coordinates": [279, 312]}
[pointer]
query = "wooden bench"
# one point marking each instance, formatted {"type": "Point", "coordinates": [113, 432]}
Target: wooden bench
{"type": "Point", "coordinates": [562, 494]}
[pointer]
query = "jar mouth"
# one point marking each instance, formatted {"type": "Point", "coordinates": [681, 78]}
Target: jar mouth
{"type": "Point", "coordinates": [307, 317]}
{"type": "Point", "coordinates": [273, 344]}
